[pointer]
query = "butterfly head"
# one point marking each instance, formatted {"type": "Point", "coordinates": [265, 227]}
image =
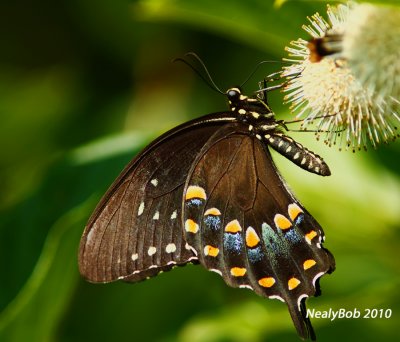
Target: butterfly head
{"type": "Point", "coordinates": [235, 96]}
{"type": "Point", "coordinates": [250, 110]}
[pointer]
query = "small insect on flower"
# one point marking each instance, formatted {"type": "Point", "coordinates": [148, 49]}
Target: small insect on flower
{"type": "Point", "coordinates": [346, 78]}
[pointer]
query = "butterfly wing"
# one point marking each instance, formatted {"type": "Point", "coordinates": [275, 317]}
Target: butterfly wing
{"type": "Point", "coordinates": [244, 223]}
{"type": "Point", "coordinates": [136, 230]}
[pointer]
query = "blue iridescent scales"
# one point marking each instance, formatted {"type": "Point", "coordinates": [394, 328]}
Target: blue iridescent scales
{"type": "Point", "coordinates": [208, 192]}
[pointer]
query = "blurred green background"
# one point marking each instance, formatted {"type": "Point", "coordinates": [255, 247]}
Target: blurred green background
{"type": "Point", "coordinates": [84, 85]}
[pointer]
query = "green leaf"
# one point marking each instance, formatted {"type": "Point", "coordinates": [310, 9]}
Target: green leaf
{"type": "Point", "coordinates": [36, 311]}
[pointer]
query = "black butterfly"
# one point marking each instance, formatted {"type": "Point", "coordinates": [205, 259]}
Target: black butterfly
{"type": "Point", "coordinates": [208, 192]}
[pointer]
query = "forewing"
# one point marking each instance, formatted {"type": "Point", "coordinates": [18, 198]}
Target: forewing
{"type": "Point", "coordinates": [245, 224]}
{"type": "Point", "coordinates": [136, 230]}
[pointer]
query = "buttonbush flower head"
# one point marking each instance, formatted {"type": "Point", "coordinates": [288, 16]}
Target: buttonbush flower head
{"type": "Point", "coordinates": [346, 78]}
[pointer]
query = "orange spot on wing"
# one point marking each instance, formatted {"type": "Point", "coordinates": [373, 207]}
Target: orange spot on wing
{"type": "Point", "coordinates": [252, 238]}
{"type": "Point", "coordinates": [311, 235]}
{"type": "Point", "coordinates": [191, 226]}
{"type": "Point", "coordinates": [233, 227]}
{"type": "Point", "coordinates": [212, 211]}
{"type": "Point", "coordinates": [266, 282]}
{"type": "Point", "coordinates": [282, 222]}
{"type": "Point", "coordinates": [293, 283]}
{"type": "Point", "coordinates": [195, 191]}
{"type": "Point", "coordinates": [309, 263]}
{"type": "Point", "coordinates": [211, 251]}
{"type": "Point", "coordinates": [294, 210]}
{"type": "Point", "coordinates": [238, 271]}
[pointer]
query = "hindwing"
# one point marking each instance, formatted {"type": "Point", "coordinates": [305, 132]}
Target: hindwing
{"type": "Point", "coordinates": [245, 224]}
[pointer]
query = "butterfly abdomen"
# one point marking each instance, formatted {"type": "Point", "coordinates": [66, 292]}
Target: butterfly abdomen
{"type": "Point", "coordinates": [297, 153]}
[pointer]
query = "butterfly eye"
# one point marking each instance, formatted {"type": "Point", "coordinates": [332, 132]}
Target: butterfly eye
{"type": "Point", "coordinates": [233, 94]}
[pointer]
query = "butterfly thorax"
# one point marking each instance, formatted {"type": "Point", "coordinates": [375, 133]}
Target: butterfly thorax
{"type": "Point", "coordinates": [251, 110]}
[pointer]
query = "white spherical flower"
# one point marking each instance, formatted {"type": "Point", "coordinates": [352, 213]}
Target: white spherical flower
{"type": "Point", "coordinates": [346, 78]}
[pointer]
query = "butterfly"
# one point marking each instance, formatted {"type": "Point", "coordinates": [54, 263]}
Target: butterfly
{"type": "Point", "coordinates": [208, 192]}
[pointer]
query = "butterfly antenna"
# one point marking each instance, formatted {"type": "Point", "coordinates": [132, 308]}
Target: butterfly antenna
{"type": "Point", "coordinates": [256, 68]}
{"type": "Point", "coordinates": [208, 80]}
